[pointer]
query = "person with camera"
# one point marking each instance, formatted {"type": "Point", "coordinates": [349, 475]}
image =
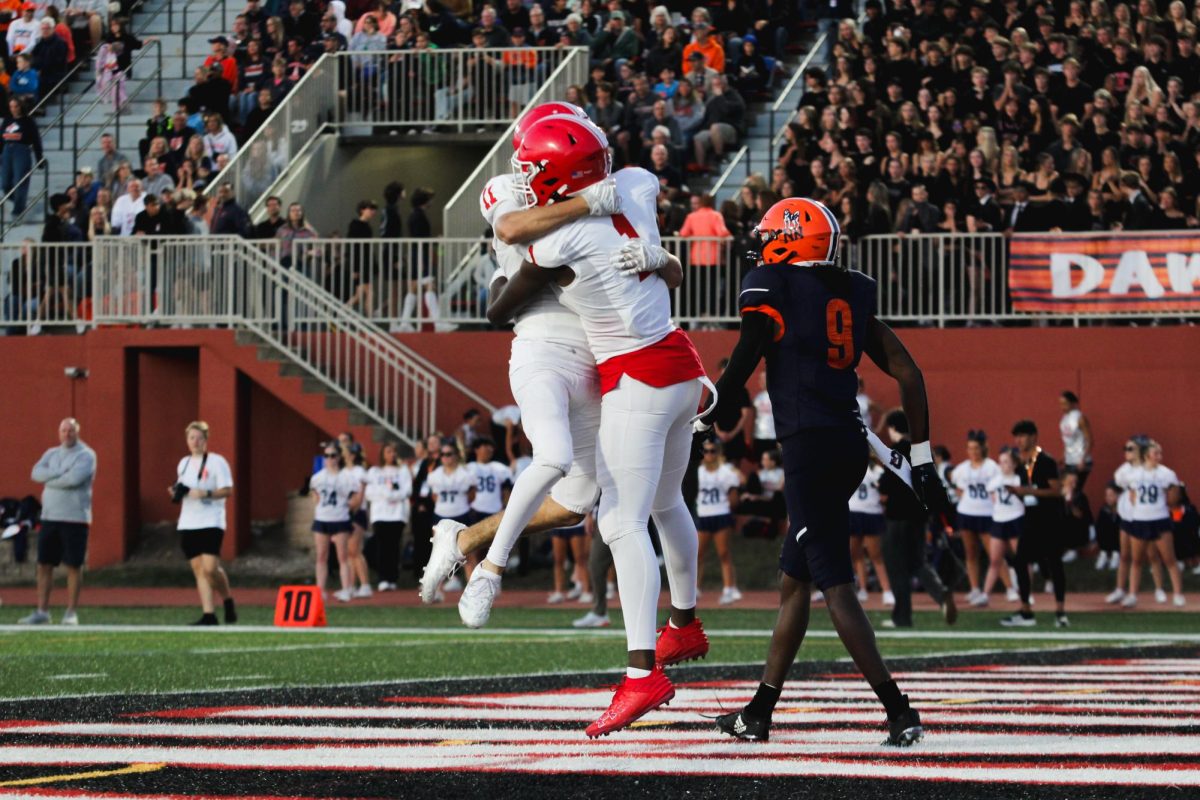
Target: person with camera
{"type": "Point", "coordinates": [389, 487]}
{"type": "Point", "coordinates": [203, 482]}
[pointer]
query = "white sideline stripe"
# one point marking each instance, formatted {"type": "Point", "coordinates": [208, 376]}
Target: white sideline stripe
{"type": "Point", "coordinates": [903, 764]}
{"type": "Point", "coordinates": [612, 633]}
{"type": "Point", "coordinates": [951, 714]}
{"type": "Point", "coordinates": [686, 741]}
{"type": "Point", "coordinates": [77, 676]}
{"type": "Point", "coordinates": [458, 678]}
{"type": "Point", "coordinates": [336, 646]}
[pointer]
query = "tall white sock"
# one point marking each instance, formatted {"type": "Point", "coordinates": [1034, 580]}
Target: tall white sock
{"type": "Point", "coordinates": [431, 306]}
{"type": "Point", "coordinates": [680, 546]}
{"type": "Point", "coordinates": [638, 585]}
{"type": "Point", "coordinates": [527, 495]}
{"type": "Point", "coordinates": [409, 312]}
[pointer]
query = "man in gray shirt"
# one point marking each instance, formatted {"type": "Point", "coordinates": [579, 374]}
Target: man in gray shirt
{"type": "Point", "coordinates": [67, 472]}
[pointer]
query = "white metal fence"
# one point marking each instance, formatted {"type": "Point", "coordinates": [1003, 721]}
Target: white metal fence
{"type": "Point", "coordinates": [460, 217]}
{"type": "Point", "coordinates": [229, 281]}
{"type": "Point", "coordinates": [441, 284]}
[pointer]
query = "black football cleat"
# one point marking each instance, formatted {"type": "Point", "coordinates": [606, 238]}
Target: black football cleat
{"type": "Point", "coordinates": [905, 730]}
{"type": "Point", "coordinates": [743, 725]}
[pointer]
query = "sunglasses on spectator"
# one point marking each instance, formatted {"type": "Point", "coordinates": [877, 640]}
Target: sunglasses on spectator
{"type": "Point", "coordinates": [1130, 448]}
{"type": "Point", "coordinates": [448, 453]}
{"type": "Point", "coordinates": [331, 455]}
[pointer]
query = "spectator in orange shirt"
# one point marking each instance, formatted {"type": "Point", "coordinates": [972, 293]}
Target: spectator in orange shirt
{"type": "Point", "coordinates": [707, 287]}
{"type": "Point", "coordinates": [708, 45]}
{"type": "Point", "coordinates": [220, 55]}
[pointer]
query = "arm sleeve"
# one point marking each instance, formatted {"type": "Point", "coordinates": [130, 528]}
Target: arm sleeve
{"type": "Point", "coordinates": [79, 473]}
{"type": "Point", "coordinates": [762, 292]}
{"type": "Point", "coordinates": [41, 470]}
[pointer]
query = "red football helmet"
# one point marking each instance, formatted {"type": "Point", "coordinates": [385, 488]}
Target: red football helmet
{"type": "Point", "coordinates": [540, 112]}
{"type": "Point", "coordinates": [799, 231]}
{"type": "Point", "coordinates": [559, 156]}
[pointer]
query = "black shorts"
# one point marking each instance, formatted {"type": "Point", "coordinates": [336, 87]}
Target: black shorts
{"type": "Point", "coordinates": [1150, 530]}
{"type": "Point", "coordinates": [567, 533]}
{"type": "Point", "coordinates": [974, 524]}
{"type": "Point", "coordinates": [201, 542]}
{"type": "Point", "coordinates": [712, 524]}
{"type": "Point", "coordinates": [62, 543]}
{"type": "Point", "coordinates": [331, 528]}
{"type": "Point", "coordinates": [864, 524]}
{"type": "Point", "coordinates": [1007, 531]}
{"type": "Point", "coordinates": [359, 518]}
{"type": "Point", "coordinates": [822, 467]}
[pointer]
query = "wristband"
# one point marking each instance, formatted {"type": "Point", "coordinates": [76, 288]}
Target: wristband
{"type": "Point", "coordinates": [210, 494]}
{"type": "Point", "coordinates": [921, 454]}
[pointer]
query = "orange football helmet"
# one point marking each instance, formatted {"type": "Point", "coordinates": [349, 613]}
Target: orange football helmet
{"type": "Point", "coordinates": [799, 231]}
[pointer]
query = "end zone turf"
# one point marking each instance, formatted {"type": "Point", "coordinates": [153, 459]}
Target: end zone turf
{"type": "Point", "coordinates": [1079, 723]}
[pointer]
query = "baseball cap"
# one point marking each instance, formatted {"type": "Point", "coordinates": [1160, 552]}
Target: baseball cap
{"type": "Point", "coordinates": [86, 171]}
{"type": "Point", "coordinates": [618, 15]}
{"type": "Point", "coordinates": [696, 56]}
{"type": "Point", "coordinates": [29, 7]}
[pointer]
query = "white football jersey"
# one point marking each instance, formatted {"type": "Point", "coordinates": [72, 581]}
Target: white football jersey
{"type": "Point", "coordinates": [489, 485]}
{"type": "Point", "coordinates": [1150, 492]}
{"type": "Point", "coordinates": [1006, 506]}
{"type": "Point", "coordinates": [334, 490]}
{"type": "Point", "coordinates": [620, 313]}
{"type": "Point", "coordinates": [715, 485]}
{"type": "Point", "coordinates": [451, 490]}
{"type": "Point", "coordinates": [388, 490]}
{"type": "Point", "coordinates": [972, 483]}
{"type": "Point", "coordinates": [1123, 477]}
{"type": "Point", "coordinates": [866, 499]}
{"type": "Point", "coordinates": [543, 318]}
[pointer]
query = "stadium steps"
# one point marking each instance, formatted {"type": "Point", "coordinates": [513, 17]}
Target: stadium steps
{"type": "Point", "coordinates": [292, 385]}
{"type": "Point", "coordinates": [57, 141]}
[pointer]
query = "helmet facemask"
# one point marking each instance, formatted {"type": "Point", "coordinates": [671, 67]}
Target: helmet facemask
{"type": "Point", "coordinates": [523, 172]}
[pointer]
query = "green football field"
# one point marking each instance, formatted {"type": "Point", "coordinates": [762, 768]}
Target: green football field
{"type": "Point", "coordinates": [136, 650]}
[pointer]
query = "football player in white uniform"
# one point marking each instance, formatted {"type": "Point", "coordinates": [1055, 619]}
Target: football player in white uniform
{"type": "Point", "coordinates": [553, 378]}
{"type": "Point", "coordinates": [651, 381]}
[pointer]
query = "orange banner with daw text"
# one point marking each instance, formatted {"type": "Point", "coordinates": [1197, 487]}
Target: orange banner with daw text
{"type": "Point", "coordinates": [1105, 273]}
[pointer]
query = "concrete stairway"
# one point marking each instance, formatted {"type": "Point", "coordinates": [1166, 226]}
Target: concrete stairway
{"type": "Point", "coordinates": [73, 140]}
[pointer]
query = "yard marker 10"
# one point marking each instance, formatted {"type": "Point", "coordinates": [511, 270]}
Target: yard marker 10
{"type": "Point", "coordinates": [299, 607]}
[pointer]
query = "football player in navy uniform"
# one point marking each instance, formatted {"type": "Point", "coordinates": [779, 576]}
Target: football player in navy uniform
{"type": "Point", "coordinates": [813, 321]}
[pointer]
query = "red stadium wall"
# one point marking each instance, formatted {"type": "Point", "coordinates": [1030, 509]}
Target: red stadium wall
{"type": "Point", "coordinates": [144, 386]}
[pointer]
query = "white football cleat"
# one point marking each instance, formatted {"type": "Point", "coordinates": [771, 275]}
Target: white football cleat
{"type": "Point", "coordinates": [592, 620]}
{"type": "Point", "coordinates": [475, 604]}
{"type": "Point", "coordinates": [444, 559]}
{"type": "Point", "coordinates": [71, 618]}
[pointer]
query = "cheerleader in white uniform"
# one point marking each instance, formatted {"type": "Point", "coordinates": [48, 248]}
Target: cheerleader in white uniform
{"type": "Point", "coordinates": [866, 532]}
{"type": "Point", "coordinates": [1008, 522]}
{"type": "Point", "coordinates": [716, 498]}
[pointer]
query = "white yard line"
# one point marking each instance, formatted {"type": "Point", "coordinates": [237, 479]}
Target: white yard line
{"type": "Point", "coordinates": [574, 633]}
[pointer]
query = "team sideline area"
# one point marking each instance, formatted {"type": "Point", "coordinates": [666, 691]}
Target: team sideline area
{"type": "Point", "coordinates": [394, 701]}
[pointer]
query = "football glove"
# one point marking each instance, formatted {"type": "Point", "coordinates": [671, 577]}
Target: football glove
{"type": "Point", "coordinates": [925, 479]}
{"type": "Point", "coordinates": [636, 256]}
{"type": "Point", "coordinates": [602, 198]}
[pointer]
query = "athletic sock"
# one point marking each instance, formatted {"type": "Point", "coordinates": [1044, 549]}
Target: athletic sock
{"type": "Point", "coordinates": [635, 673]}
{"type": "Point", "coordinates": [764, 700]}
{"type": "Point", "coordinates": [638, 585]}
{"type": "Point", "coordinates": [893, 702]}
{"type": "Point", "coordinates": [527, 495]}
{"type": "Point", "coordinates": [230, 610]}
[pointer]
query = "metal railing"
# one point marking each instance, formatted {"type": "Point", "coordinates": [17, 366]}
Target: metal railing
{"type": "Point", "coordinates": [460, 217]}
{"type": "Point", "coordinates": [25, 184]}
{"type": "Point", "coordinates": [297, 121]}
{"type": "Point", "coordinates": [379, 285]}
{"type": "Point", "coordinates": [111, 104]}
{"type": "Point", "coordinates": [389, 91]}
{"type": "Point", "coordinates": [221, 280]}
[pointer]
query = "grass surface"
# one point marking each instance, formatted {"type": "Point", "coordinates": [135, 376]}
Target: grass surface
{"type": "Point", "coordinates": [430, 643]}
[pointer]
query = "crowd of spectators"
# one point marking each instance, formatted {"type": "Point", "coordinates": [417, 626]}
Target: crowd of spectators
{"type": "Point", "coordinates": [1012, 116]}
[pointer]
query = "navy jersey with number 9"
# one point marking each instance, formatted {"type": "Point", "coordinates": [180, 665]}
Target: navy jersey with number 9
{"type": "Point", "coordinates": [822, 315]}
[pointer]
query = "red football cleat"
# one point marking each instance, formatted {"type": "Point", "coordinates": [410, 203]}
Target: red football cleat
{"type": "Point", "coordinates": [680, 644]}
{"type": "Point", "coordinates": [633, 699]}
